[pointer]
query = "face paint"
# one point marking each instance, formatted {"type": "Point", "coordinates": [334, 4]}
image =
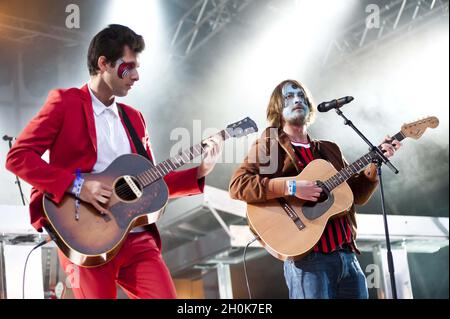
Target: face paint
{"type": "Point", "coordinates": [124, 68]}
{"type": "Point", "coordinates": [295, 107]}
{"type": "Point", "coordinates": [293, 95]}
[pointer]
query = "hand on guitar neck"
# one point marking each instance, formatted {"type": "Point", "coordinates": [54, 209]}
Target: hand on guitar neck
{"type": "Point", "coordinates": [390, 146]}
{"type": "Point", "coordinates": [214, 148]}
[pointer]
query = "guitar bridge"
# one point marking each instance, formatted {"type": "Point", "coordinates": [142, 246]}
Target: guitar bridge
{"type": "Point", "coordinates": [133, 186]}
{"type": "Point", "coordinates": [291, 213]}
{"type": "Point", "coordinates": [127, 188]}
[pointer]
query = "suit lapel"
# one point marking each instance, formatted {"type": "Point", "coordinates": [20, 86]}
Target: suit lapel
{"type": "Point", "coordinates": [89, 114]}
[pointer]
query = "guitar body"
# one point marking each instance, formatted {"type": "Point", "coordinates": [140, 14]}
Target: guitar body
{"type": "Point", "coordinates": [90, 239]}
{"type": "Point", "coordinates": [95, 239]}
{"type": "Point", "coordinates": [289, 228]}
{"type": "Point", "coordinates": [280, 235]}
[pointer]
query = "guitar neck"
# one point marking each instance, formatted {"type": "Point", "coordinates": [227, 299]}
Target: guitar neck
{"type": "Point", "coordinates": [356, 167]}
{"type": "Point", "coordinates": [162, 169]}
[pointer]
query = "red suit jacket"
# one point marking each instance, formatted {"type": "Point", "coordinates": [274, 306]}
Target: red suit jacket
{"type": "Point", "coordinates": [66, 127]}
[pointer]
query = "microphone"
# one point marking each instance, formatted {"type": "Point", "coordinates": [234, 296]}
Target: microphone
{"type": "Point", "coordinates": [8, 138]}
{"type": "Point", "coordinates": [335, 104]}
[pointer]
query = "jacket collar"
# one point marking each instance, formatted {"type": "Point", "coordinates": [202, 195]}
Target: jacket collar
{"type": "Point", "coordinates": [285, 142]}
{"type": "Point", "coordinates": [99, 107]}
{"type": "Point", "coordinates": [89, 114]}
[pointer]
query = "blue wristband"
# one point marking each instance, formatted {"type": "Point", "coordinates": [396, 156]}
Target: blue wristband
{"type": "Point", "coordinates": [292, 188]}
{"type": "Point", "coordinates": [76, 190]}
{"type": "Point", "coordinates": [77, 184]}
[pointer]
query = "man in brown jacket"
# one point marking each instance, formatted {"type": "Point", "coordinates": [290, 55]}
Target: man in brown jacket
{"type": "Point", "coordinates": [331, 269]}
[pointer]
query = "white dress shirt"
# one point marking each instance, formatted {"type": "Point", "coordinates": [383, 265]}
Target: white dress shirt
{"type": "Point", "coordinates": [112, 139]}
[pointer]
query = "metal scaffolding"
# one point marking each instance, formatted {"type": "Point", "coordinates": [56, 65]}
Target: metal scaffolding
{"type": "Point", "coordinates": [22, 31]}
{"type": "Point", "coordinates": [204, 20]}
{"type": "Point", "coordinates": [397, 18]}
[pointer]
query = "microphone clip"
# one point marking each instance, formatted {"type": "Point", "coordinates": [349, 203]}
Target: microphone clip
{"type": "Point", "coordinates": [8, 138]}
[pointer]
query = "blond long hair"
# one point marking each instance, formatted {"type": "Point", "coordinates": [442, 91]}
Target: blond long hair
{"type": "Point", "coordinates": [275, 108]}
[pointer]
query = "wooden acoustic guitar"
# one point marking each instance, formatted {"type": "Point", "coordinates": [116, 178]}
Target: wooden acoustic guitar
{"type": "Point", "coordinates": [139, 197]}
{"type": "Point", "coordinates": [288, 228]}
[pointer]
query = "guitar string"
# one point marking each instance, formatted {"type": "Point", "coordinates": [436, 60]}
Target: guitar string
{"type": "Point", "coordinates": [125, 188]}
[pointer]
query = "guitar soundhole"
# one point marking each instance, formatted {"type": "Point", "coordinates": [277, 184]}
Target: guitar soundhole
{"type": "Point", "coordinates": [323, 198]}
{"type": "Point", "coordinates": [126, 192]}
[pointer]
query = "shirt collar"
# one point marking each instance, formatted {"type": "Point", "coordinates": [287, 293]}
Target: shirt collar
{"type": "Point", "coordinates": [308, 145]}
{"type": "Point", "coordinates": [99, 107]}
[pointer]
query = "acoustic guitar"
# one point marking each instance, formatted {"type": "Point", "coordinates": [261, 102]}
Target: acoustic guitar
{"type": "Point", "coordinates": [140, 194]}
{"type": "Point", "coordinates": [288, 228]}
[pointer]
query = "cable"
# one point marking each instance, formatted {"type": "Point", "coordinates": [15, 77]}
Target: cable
{"type": "Point", "coordinates": [245, 266]}
{"type": "Point", "coordinates": [42, 243]}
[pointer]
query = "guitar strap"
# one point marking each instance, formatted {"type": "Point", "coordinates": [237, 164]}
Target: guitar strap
{"type": "Point", "coordinates": [137, 143]}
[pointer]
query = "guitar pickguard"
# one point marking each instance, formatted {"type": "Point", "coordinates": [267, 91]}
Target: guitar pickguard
{"type": "Point", "coordinates": [152, 201]}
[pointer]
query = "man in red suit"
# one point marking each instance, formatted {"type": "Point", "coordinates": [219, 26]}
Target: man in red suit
{"type": "Point", "coordinates": [84, 130]}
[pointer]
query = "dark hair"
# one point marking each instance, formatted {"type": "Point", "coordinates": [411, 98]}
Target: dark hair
{"type": "Point", "coordinates": [110, 43]}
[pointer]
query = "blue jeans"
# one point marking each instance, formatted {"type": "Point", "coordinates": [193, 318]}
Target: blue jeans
{"type": "Point", "coordinates": [326, 276]}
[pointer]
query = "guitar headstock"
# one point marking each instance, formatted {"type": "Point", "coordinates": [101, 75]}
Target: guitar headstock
{"type": "Point", "coordinates": [242, 128]}
{"type": "Point", "coordinates": [416, 129]}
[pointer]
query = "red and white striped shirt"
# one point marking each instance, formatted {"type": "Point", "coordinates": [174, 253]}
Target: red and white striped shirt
{"type": "Point", "coordinates": [337, 233]}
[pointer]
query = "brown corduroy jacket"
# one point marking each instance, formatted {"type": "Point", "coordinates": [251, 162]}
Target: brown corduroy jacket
{"type": "Point", "coordinates": [272, 156]}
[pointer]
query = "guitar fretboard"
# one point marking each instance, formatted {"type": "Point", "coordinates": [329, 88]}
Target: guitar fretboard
{"type": "Point", "coordinates": [162, 169]}
{"type": "Point", "coordinates": [357, 166]}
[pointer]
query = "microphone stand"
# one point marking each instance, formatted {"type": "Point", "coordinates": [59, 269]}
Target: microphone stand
{"type": "Point", "coordinates": [9, 139]}
{"type": "Point", "coordinates": [379, 160]}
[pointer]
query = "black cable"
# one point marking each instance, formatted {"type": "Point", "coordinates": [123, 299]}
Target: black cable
{"type": "Point", "coordinates": [42, 243]}
{"type": "Point", "coordinates": [245, 266]}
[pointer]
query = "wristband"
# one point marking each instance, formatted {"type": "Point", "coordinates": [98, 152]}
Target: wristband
{"type": "Point", "coordinates": [292, 188]}
{"type": "Point", "coordinates": [76, 190]}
